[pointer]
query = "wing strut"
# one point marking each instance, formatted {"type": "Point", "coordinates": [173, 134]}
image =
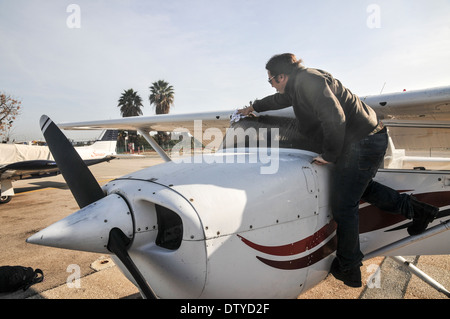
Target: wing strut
{"type": "Point", "coordinates": [419, 273]}
{"type": "Point", "coordinates": [389, 249]}
{"type": "Point", "coordinates": [155, 145]}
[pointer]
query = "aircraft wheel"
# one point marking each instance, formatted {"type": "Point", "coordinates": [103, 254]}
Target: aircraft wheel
{"type": "Point", "coordinates": [4, 199]}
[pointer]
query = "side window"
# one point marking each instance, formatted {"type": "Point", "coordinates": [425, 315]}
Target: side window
{"type": "Point", "coordinates": [418, 148]}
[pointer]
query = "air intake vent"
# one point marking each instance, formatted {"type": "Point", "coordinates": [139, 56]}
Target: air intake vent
{"type": "Point", "coordinates": [170, 228]}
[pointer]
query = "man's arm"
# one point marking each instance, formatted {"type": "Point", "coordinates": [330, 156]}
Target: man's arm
{"type": "Point", "coordinates": [272, 102]}
{"type": "Point", "coordinates": [276, 101]}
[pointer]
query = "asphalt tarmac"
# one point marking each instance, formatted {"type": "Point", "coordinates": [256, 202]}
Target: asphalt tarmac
{"type": "Point", "coordinates": [80, 275]}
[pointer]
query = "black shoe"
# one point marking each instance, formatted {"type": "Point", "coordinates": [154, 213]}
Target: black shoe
{"type": "Point", "coordinates": [423, 215]}
{"type": "Point", "coordinates": [351, 277]}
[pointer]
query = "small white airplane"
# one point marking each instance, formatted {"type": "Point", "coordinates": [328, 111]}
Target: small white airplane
{"type": "Point", "coordinates": [251, 219]}
{"type": "Point", "coordinates": [29, 161]}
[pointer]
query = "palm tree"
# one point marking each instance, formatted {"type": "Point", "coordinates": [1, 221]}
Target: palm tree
{"type": "Point", "coordinates": [162, 96]}
{"type": "Point", "coordinates": [130, 104]}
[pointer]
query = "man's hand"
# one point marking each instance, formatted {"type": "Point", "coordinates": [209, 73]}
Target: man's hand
{"type": "Point", "coordinates": [319, 161]}
{"type": "Point", "coordinates": [247, 111]}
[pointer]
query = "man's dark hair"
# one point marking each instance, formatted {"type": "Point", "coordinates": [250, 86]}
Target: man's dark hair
{"type": "Point", "coordinates": [284, 63]}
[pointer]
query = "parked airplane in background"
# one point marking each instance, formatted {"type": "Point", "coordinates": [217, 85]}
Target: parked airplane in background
{"type": "Point", "coordinates": [252, 219]}
{"type": "Point", "coordinates": [25, 161]}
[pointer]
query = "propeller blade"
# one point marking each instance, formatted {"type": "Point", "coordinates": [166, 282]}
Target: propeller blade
{"type": "Point", "coordinates": [85, 190]}
{"type": "Point", "coordinates": [118, 243]}
{"type": "Point", "coordinates": [82, 184]}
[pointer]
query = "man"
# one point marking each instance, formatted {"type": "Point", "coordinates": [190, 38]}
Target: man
{"type": "Point", "coordinates": [354, 140]}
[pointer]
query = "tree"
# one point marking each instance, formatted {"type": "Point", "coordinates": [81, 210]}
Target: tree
{"type": "Point", "coordinates": [162, 96]}
{"type": "Point", "coordinates": [9, 109]}
{"type": "Point", "coordinates": [130, 104]}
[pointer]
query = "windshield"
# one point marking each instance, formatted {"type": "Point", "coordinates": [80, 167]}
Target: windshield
{"type": "Point", "coordinates": [267, 131]}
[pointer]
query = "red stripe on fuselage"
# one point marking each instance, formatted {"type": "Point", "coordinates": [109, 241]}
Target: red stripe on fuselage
{"type": "Point", "coordinates": [297, 247]}
{"type": "Point", "coordinates": [305, 261]}
{"type": "Point", "coordinates": [371, 219]}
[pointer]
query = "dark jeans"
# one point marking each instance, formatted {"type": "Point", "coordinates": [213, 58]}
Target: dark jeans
{"type": "Point", "coordinates": [351, 182]}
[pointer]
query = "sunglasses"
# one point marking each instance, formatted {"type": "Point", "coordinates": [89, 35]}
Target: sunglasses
{"type": "Point", "coordinates": [270, 80]}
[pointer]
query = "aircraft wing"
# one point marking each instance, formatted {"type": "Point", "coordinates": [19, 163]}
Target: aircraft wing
{"type": "Point", "coordinates": [163, 122]}
{"type": "Point", "coordinates": [33, 169]}
{"type": "Point", "coordinates": [28, 168]}
{"type": "Point", "coordinates": [38, 168]}
{"type": "Point", "coordinates": [421, 106]}
{"type": "Point", "coordinates": [427, 111]}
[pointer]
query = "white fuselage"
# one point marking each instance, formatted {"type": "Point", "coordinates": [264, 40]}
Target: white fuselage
{"type": "Point", "coordinates": [221, 206]}
{"type": "Point", "coordinates": [245, 234]}
{"type": "Point", "coordinates": [216, 228]}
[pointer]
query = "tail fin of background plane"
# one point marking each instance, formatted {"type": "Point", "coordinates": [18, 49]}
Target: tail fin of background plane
{"type": "Point", "coordinates": [104, 146]}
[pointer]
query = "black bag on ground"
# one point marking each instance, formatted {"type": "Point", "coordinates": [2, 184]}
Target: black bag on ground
{"type": "Point", "coordinates": [13, 278]}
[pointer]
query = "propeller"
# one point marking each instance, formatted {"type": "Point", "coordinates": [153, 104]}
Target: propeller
{"type": "Point", "coordinates": [86, 190]}
{"type": "Point", "coordinates": [83, 185]}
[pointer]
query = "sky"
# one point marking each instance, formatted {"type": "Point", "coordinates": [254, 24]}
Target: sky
{"type": "Point", "coordinates": [72, 60]}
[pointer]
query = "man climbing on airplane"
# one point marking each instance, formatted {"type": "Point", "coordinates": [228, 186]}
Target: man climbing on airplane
{"type": "Point", "coordinates": [354, 140]}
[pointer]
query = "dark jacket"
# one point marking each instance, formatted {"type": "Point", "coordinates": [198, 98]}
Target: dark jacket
{"type": "Point", "coordinates": [327, 112]}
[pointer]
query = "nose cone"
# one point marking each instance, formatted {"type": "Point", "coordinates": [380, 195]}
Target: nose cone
{"type": "Point", "coordinates": [88, 229]}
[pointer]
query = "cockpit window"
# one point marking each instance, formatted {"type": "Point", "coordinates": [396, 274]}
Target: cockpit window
{"type": "Point", "coordinates": [267, 131]}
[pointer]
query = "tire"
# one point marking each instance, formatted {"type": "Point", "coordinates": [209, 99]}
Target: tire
{"type": "Point", "coordinates": [4, 199]}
